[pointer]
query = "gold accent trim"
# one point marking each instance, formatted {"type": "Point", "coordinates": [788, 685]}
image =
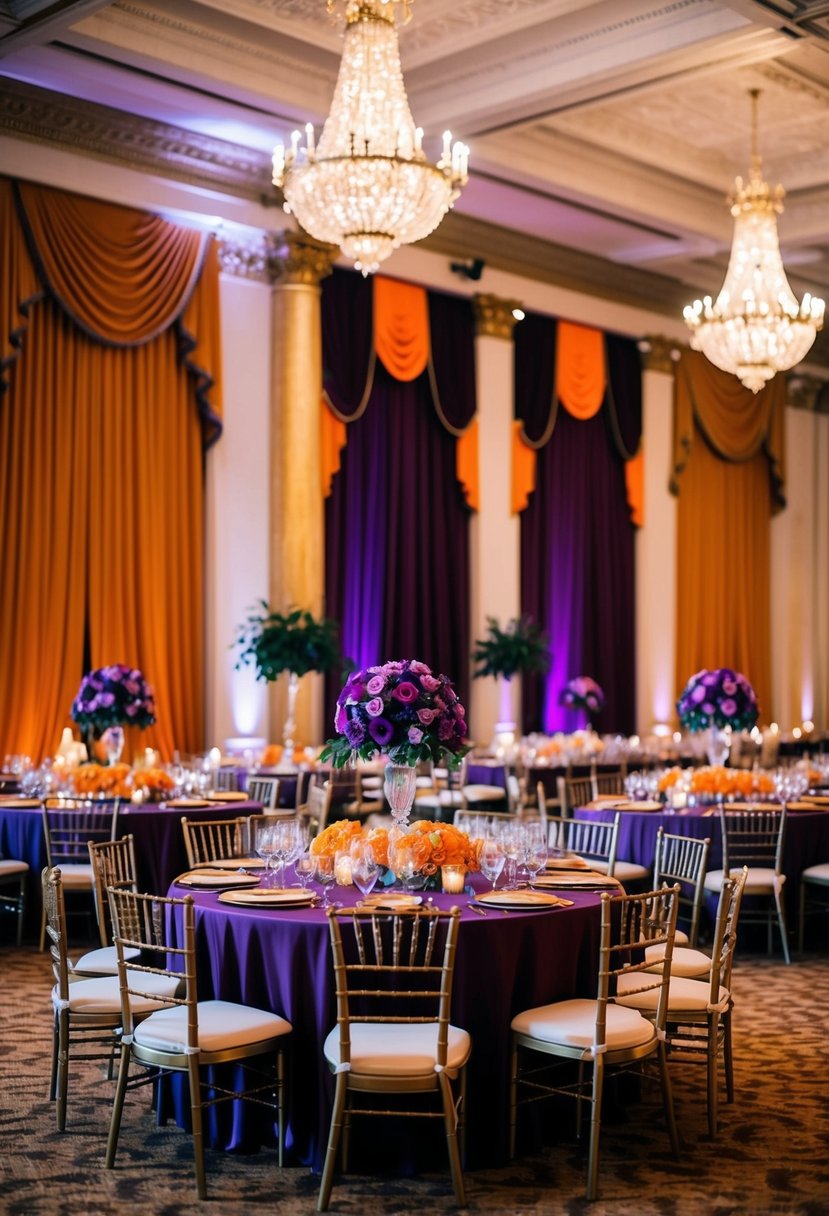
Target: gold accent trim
{"type": "Point", "coordinates": [493, 316]}
{"type": "Point", "coordinates": [660, 354]}
{"type": "Point", "coordinates": [299, 259]}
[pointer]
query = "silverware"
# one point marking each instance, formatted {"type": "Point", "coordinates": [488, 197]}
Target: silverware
{"type": "Point", "coordinates": [476, 908]}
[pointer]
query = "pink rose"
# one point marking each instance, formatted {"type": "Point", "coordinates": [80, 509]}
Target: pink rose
{"type": "Point", "coordinates": [426, 716]}
{"type": "Point", "coordinates": [430, 683]}
{"type": "Point", "coordinates": [375, 685]}
{"type": "Point", "coordinates": [374, 707]}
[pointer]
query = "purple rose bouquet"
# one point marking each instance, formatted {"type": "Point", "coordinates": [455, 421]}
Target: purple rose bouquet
{"type": "Point", "coordinates": [113, 696]}
{"type": "Point", "coordinates": [717, 698]}
{"type": "Point", "coordinates": [582, 693]}
{"type": "Point", "coordinates": [400, 710]}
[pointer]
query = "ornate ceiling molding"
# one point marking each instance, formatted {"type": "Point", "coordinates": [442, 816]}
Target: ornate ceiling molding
{"type": "Point", "coordinates": [494, 316]}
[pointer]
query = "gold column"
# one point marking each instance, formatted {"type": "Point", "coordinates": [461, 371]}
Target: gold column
{"type": "Point", "coordinates": [297, 558]}
{"type": "Point", "coordinates": [494, 535]}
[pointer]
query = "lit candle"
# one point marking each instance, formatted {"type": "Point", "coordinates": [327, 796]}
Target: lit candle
{"type": "Point", "coordinates": [215, 757]}
{"type": "Point", "coordinates": [342, 870]}
{"type": "Point", "coordinates": [452, 878]}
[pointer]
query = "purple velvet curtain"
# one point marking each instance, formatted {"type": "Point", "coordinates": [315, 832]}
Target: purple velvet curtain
{"type": "Point", "coordinates": [577, 540]}
{"type": "Point", "coordinates": [396, 524]}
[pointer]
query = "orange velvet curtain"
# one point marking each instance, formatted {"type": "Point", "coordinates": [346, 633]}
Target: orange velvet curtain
{"type": "Point", "coordinates": [101, 460]}
{"type": "Point", "coordinates": [728, 472]}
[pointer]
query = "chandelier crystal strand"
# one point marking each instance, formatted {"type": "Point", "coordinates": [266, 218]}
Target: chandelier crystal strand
{"type": "Point", "coordinates": [756, 327]}
{"type": "Point", "coordinates": [366, 184]}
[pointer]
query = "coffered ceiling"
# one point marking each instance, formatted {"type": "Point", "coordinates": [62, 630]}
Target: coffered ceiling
{"type": "Point", "coordinates": [604, 136]}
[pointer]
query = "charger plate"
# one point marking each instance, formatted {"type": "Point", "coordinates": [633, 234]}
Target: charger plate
{"type": "Point", "coordinates": [269, 897]}
{"type": "Point", "coordinates": [390, 902]}
{"type": "Point", "coordinates": [228, 796]}
{"type": "Point", "coordinates": [187, 802]}
{"type": "Point", "coordinates": [567, 863]}
{"type": "Point", "coordinates": [815, 806]}
{"type": "Point", "coordinates": [640, 806]}
{"type": "Point", "coordinates": [214, 878]}
{"type": "Point", "coordinates": [520, 899]}
{"type": "Point", "coordinates": [233, 863]}
{"type": "Point", "coordinates": [25, 803]}
{"type": "Point", "coordinates": [587, 880]}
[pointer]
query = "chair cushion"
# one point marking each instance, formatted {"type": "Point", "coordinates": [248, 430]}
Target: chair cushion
{"type": "Point", "coordinates": [76, 875]}
{"type": "Point", "coordinates": [398, 1049]}
{"type": "Point", "coordinates": [812, 874]}
{"type": "Point", "coordinates": [103, 995]}
{"type": "Point", "coordinates": [573, 1024]}
{"type": "Point", "coordinates": [222, 1025]}
{"type": "Point", "coordinates": [9, 867]}
{"type": "Point", "coordinates": [484, 793]}
{"type": "Point", "coordinates": [103, 961]}
{"type": "Point", "coordinates": [624, 871]}
{"type": "Point", "coordinates": [684, 961]}
{"type": "Point", "coordinates": [761, 880]}
{"type": "Point", "coordinates": [684, 995]}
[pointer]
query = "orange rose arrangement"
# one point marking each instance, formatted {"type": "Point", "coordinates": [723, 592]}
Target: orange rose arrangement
{"type": "Point", "coordinates": [154, 783]}
{"type": "Point", "coordinates": [718, 781]}
{"type": "Point", "coordinates": [433, 844]}
{"type": "Point", "coordinates": [104, 780]}
{"type": "Point", "coordinates": [337, 838]}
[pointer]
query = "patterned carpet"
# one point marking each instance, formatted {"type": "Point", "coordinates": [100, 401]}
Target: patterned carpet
{"type": "Point", "coordinates": [772, 1154]}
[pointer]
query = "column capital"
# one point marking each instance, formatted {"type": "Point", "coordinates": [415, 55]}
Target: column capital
{"type": "Point", "coordinates": [659, 354]}
{"type": "Point", "coordinates": [807, 393]}
{"type": "Point", "coordinates": [245, 259]}
{"type": "Point", "coordinates": [493, 316]}
{"type": "Point", "coordinates": [297, 258]}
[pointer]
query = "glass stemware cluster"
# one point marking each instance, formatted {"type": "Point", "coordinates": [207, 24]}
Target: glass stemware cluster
{"type": "Point", "coordinates": [278, 842]}
{"type": "Point", "coordinates": [517, 848]}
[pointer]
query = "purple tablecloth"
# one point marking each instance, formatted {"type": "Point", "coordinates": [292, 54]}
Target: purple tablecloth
{"type": "Point", "coordinates": [281, 960]}
{"type": "Point", "coordinates": [159, 842]}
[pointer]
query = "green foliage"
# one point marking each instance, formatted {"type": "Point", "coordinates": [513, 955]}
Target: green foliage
{"type": "Point", "coordinates": [520, 646]}
{"type": "Point", "coordinates": [274, 642]}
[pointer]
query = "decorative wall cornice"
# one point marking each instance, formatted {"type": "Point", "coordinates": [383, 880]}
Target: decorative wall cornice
{"type": "Point", "coordinates": [139, 143]}
{"type": "Point", "coordinates": [246, 259]}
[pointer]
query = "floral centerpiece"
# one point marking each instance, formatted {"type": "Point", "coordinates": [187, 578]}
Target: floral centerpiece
{"type": "Point", "coordinates": [400, 710]}
{"type": "Point", "coordinates": [112, 696]}
{"type": "Point", "coordinates": [433, 844]}
{"type": "Point", "coordinates": [720, 698]}
{"type": "Point", "coordinates": [101, 780]}
{"type": "Point", "coordinates": [154, 784]}
{"type": "Point", "coordinates": [582, 693]}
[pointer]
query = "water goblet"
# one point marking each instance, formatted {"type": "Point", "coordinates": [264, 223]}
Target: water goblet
{"type": "Point", "coordinates": [304, 868]}
{"type": "Point", "coordinates": [492, 860]}
{"type": "Point", "coordinates": [324, 873]}
{"type": "Point", "coordinates": [364, 868]}
{"type": "Point", "coordinates": [535, 852]}
{"type": "Point", "coordinates": [265, 846]}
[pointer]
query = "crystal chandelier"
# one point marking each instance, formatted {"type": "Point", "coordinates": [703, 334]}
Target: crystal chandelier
{"type": "Point", "coordinates": [367, 185]}
{"type": "Point", "coordinates": [755, 327]}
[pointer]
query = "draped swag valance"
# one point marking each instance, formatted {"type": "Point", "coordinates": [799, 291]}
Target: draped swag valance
{"type": "Point", "coordinates": [110, 384]}
{"type": "Point", "coordinates": [585, 371]}
{"type": "Point", "coordinates": [412, 332]}
{"type": "Point", "coordinates": [728, 471]}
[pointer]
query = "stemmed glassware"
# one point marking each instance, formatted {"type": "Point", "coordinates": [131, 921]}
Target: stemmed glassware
{"type": "Point", "coordinates": [265, 845]}
{"type": "Point", "coordinates": [513, 847]}
{"type": "Point", "coordinates": [325, 873]}
{"type": "Point", "coordinates": [492, 859]}
{"type": "Point", "coordinates": [364, 868]}
{"type": "Point", "coordinates": [535, 850]}
{"type": "Point", "coordinates": [304, 868]}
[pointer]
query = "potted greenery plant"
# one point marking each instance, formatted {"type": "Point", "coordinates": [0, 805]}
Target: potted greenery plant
{"type": "Point", "coordinates": [521, 646]}
{"type": "Point", "coordinates": [295, 642]}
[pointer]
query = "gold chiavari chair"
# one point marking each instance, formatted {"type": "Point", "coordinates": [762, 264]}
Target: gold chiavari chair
{"type": "Point", "coordinates": [207, 840]}
{"type": "Point", "coordinates": [68, 827]}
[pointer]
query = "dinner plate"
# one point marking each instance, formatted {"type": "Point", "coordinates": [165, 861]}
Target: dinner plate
{"type": "Point", "coordinates": [807, 805]}
{"type": "Point", "coordinates": [607, 801]}
{"type": "Point", "coordinates": [390, 903]}
{"type": "Point", "coordinates": [640, 806]}
{"type": "Point", "coordinates": [519, 899]}
{"type": "Point", "coordinates": [269, 897]}
{"type": "Point", "coordinates": [817, 799]}
{"type": "Point", "coordinates": [187, 802]}
{"type": "Point", "coordinates": [25, 803]}
{"type": "Point", "coordinates": [216, 878]}
{"type": "Point", "coordinates": [228, 796]}
{"type": "Point", "coordinates": [590, 878]}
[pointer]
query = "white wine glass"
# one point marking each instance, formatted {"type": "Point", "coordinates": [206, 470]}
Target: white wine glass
{"type": "Point", "coordinates": [304, 868]}
{"type": "Point", "coordinates": [265, 846]}
{"type": "Point", "coordinates": [364, 868]}
{"type": "Point", "coordinates": [325, 873]}
{"type": "Point", "coordinates": [492, 860]}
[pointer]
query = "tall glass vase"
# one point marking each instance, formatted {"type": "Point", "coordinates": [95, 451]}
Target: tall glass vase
{"type": "Point", "coordinates": [717, 744]}
{"type": "Point", "coordinates": [290, 720]}
{"type": "Point", "coordinates": [399, 787]}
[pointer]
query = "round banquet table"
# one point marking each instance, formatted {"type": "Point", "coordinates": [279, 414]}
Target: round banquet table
{"type": "Point", "coordinates": [806, 842]}
{"type": "Point", "coordinates": [280, 959]}
{"type": "Point", "coordinates": [159, 842]}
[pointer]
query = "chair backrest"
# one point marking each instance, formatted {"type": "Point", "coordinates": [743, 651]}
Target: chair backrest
{"type": "Point", "coordinates": [264, 790]}
{"type": "Point", "coordinates": [226, 779]}
{"type": "Point", "coordinates": [317, 808]}
{"type": "Point", "coordinates": [163, 931]}
{"type": "Point", "coordinates": [627, 922]}
{"type": "Point", "coordinates": [68, 828]}
{"type": "Point", "coordinates": [753, 838]}
{"type": "Point", "coordinates": [574, 792]}
{"type": "Point", "coordinates": [725, 934]}
{"type": "Point", "coordinates": [608, 780]}
{"type": "Point", "coordinates": [113, 865]}
{"type": "Point", "coordinates": [683, 859]}
{"type": "Point", "coordinates": [54, 909]}
{"type": "Point", "coordinates": [393, 967]}
{"type": "Point", "coordinates": [208, 840]}
{"type": "Point", "coordinates": [591, 839]}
